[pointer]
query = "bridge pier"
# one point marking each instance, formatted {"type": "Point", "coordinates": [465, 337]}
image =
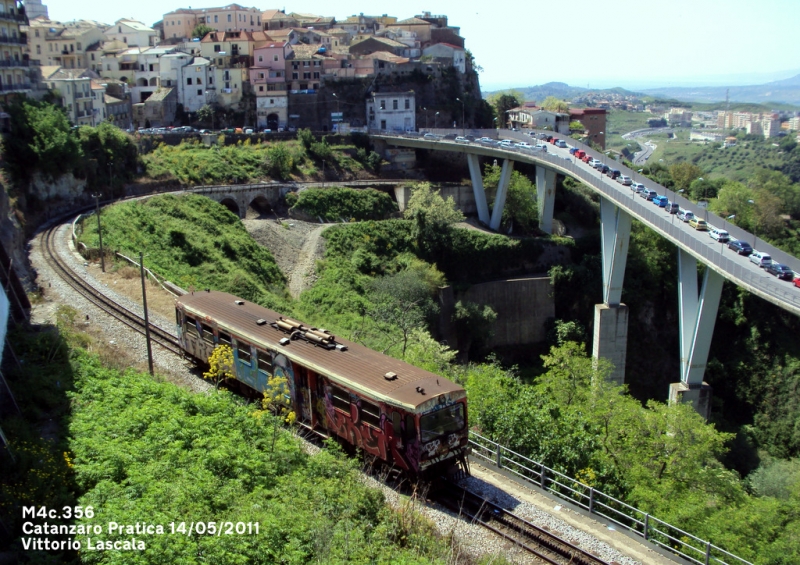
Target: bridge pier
{"type": "Point", "coordinates": [698, 314]}
{"type": "Point", "coordinates": [610, 338]}
{"type": "Point", "coordinates": [546, 194]}
{"type": "Point", "coordinates": [500, 197]}
{"type": "Point", "coordinates": [477, 188]}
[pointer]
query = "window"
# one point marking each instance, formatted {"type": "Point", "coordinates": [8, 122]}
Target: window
{"type": "Point", "coordinates": [79, 46]}
{"type": "Point", "coordinates": [260, 75]}
{"type": "Point", "coordinates": [243, 350]}
{"type": "Point", "coordinates": [229, 17]}
{"type": "Point", "coordinates": [151, 68]}
{"type": "Point", "coordinates": [274, 57]}
{"type": "Point", "coordinates": [227, 85]}
{"type": "Point", "coordinates": [39, 50]}
{"type": "Point", "coordinates": [190, 327]}
{"type": "Point", "coordinates": [306, 63]}
{"type": "Point", "coordinates": [396, 419]}
{"type": "Point", "coordinates": [316, 74]}
{"type": "Point", "coordinates": [199, 80]}
{"type": "Point", "coordinates": [199, 91]}
{"type": "Point", "coordinates": [210, 80]}
{"type": "Point", "coordinates": [408, 104]}
{"type": "Point", "coordinates": [189, 81]}
{"type": "Point", "coordinates": [217, 49]}
{"type": "Point", "coordinates": [341, 399]}
{"type": "Point", "coordinates": [394, 104]}
{"type": "Point", "coordinates": [208, 333]}
{"type": "Point", "coordinates": [264, 362]}
{"type": "Point", "coordinates": [261, 88]}
{"type": "Point", "coordinates": [447, 420]}
{"type": "Point", "coordinates": [411, 427]}
{"type": "Point", "coordinates": [224, 339]}
{"type": "Point", "coordinates": [271, 101]}
{"type": "Point", "coordinates": [383, 124]}
{"type": "Point", "coordinates": [370, 414]}
{"type": "Point", "coordinates": [383, 104]}
{"type": "Point", "coordinates": [37, 33]}
{"type": "Point", "coordinates": [306, 76]}
{"type": "Point", "coordinates": [260, 59]}
{"type": "Point", "coordinates": [37, 47]}
{"type": "Point", "coordinates": [119, 29]}
{"type": "Point", "coordinates": [216, 19]}
{"type": "Point", "coordinates": [295, 76]}
{"type": "Point", "coordinates": [125, 40]}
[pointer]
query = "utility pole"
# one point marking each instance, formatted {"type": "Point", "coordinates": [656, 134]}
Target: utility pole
{"type": "Point", "coordinates": [146, 319]}
{"type": "Point", "coordinates": [99, 231]}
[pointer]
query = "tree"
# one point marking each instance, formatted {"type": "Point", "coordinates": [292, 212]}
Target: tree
{"type": "Point", "coordinates": [576, 127]}
{"type": "Point", "coordinates": [553, 104]}
{"type": "Point", "coordinates": [502, 102]}
{"type": "Point", "coordinates": [431, 214]}
{"type": "Point", "coordinates": [201, 30]}
{"type": "Point", "coordinates": [278, 401]}
{"type": "Point", "coordinates": [220, 365]}
{"type": "Point", "coordinates": [206, 114]}
{"type": "Point", "coordinates": [683, 174]}
{"type": "Point", "coordinates": [474, 325]}
{"type": "Point", "coordinates": [520, 211]}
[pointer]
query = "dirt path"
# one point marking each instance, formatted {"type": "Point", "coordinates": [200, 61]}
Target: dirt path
{"type": "Point", "coordinates": [304, 273]}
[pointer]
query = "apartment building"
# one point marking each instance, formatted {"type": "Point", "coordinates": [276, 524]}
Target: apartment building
{"type": "Point", "coordinates": [268, 73]}
{"type": "Point", "coordinates": [678, 117]}
{"type": "Point", "coordinates": [34, 9]}
{"type": "Point", "coordinates": [63, 44]}
{"type": "Point", "coordinates": [391, 111]}
{"type": "Point", "coordinates": [304, 68]}
{"type": "Point", "coordinates": [179, 24]}
{"type": "Point", "coordinates": [231, 49]}
{"type": "Point", "coordinates": [197, 79]}
{"type": "Point", "coordinates": [794, 123]}
{"type": "Point", "coordinates": [133, 33]}
{"type": "Point", "coordinates": [74, 93]}
{"type": "Point", "coordinates": [593, 121]}
{"type": "Point", "coordinates": [13, 62]}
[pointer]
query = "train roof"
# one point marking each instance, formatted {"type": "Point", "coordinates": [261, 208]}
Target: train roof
{"type": "Point", "coordinates": [357, 367]}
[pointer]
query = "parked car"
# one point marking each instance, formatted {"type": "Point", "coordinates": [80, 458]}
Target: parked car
{"type": "Point", "coordinates": [760, 258]}
{"type": "Point", "coordinates": [613, 173]}
{"type": "Point", "coordinates": [580, 154]}
{"type": "Point", "coordinates": [698, 224]}
{"type": "Point", "coordinates": [523, 145]}
{"type": "Point", "coordinates": [431, 136]}
{"type": "Point", "coordinates": [780, 270]}
{"type": "Point", "coordinates": [720, 235]}
{"type": "Point", "coordinates": [660, 201]}
{"type": "Point", "coordinates": [541, 147]}
{"type": "Point", "coordinates": [248, 130]}
{"type": "Point", "coordinates": [486, 140]}
{"type": "Point", "coordinates": [603, 168]}
{"type": "Point", "coordinates": [573, 150]}
{"type": "Point", "coordinates": [796, 282]}
{"type": "Point", "coordinates": [685, 215]}
{"type": "Point", "coordinates": [587, 158]}
{"type": "Point", "coordinates": [741, 247]}
{"type": "Point", "coordinates": [672, 208]}
{"type": "Point", "coordinates": [561, 143]}
{"type": "Point", "coordinates": [505, 143]}
{"type": "Point", "coordinates": [637, 187]}
{"type": "Point", "coordinates": [625, 180]}
{"type": "Point", "coordinates": [595, 163]}
{"type": "Point", "coordinates": [461, 139]}
{"type": "Point", "coordinates": [648, 194]}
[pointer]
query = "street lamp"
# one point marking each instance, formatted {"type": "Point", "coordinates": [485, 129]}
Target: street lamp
{"type": "Point", "coordinates": [337, 110]}
{"type": "Point", "coordinates": [754, 224]}
{"type": "Point", "coordinates": [426, 116]}
{"type": "Point", "coordinates": [96, 196]}
{"type": "Point", "coordinates": [435, 119]}
{"type": "Point", "coordinates": [463, 111]}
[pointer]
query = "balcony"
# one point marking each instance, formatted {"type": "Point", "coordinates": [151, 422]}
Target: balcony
{"type": "Point", "coordinates": [14, 63]}
{"type": "Point", "coordinates": [9, 17]}
{"type": "Point", "coordinates": [79, 94]}
{"type": "Point", "coordinates": [15, 87]}
{"type": "Point", "coordinates": [7, 40]}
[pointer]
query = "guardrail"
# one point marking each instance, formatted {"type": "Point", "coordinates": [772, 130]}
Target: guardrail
{"type": "Point", "coordinates": [658, 532]}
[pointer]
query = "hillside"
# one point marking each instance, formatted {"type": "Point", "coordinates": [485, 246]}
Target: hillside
{"type": "Point", "coordinates": [561, 90]}
{"type": "Point", "coordinates": [780, 91]}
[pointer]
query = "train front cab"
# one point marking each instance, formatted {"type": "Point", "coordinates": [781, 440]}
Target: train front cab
{"type": "Point", "coordinates": [443, 433]}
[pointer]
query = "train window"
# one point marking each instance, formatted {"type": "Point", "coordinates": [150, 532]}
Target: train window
{"type": "Point", "coordinates": [341, 398]}
{"type": "Point", "coordinates": [411, 427]}
{"type": "Point", "coordinates": [244, 353]}
{"type": "Point", "coordinates": [191, 326]}
{"type": "Point", "coordinates": [224, 339]}
{"type": "Point", "coordinates": [396, 419]}
{"type": "Point", "coordinates": [264, 362]}
{"type": "Point", "coordinates": [178, 317]}
{"type": "Point", "coordinates": [208, 333]}
{"type": "Point", "coordinates": [370, 414]}
{"type": "Point", "coordinates": [444, 421]}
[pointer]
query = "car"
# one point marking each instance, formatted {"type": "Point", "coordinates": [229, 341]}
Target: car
{"type": "Point", "coordinates": [624, 180]}
{"type": "Point", "coordinates": [603, 168]}
{"type": "Point", "coordinates": [796, 282]}
{"type": "Point", "coordinates": [672, 208]}
{"type": "Point", "coordinates": [505, 143]}
{"type": "Point", "coordinates": [449, 137]}
{"type": "Point", "coordinates": [431, 136]}
{"type": "Point", "coordinates": [523, 145]}
{"type": "Point", "coordinates": [580, 154]}
{"type": "Point", "coordinates": [698, 224]}
{"type": "Point", "coordinates": [637, 187]}
{"type": "Point", "coordinates": [461, 139]}
{"type": "Point", "coordinates": [486, 140]}
{"type": "Point", "coordinates": [540, 147]}
{"type": "Point", "coordinates": [587, 158]}
{"type": "Point", "coordinates": [594, 162]}
{"type": "Point", "coordinates": [760, 258]}
{"type": "Point", "coordinates": [720, 235]}
{"type": "Point", "coordinates": [685, 215]}
{"type": "Point", "coordinates": [780, 270]}
{"type": "Point", "coordinates": [573, 150]}
{"type": "Point", "coordinates": [741, 247]}
{"type": "Point", "coordinates": [561, 143]}
{"type": "Point", "coordinates": [660, 201]}
{"type": "Point", "coordinates": [248, 130]}
{"type": "Point", "coordinates": [613, 173]}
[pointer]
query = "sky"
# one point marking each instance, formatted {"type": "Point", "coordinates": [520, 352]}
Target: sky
{"type": "Point", "coordinates": [595, 44]}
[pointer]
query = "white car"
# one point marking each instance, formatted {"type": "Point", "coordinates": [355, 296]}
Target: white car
{"type": "Point", "coordinates": [561, 143]}
{"type": "Point", "coordinates": [623, 180]}
{"type": "Point", "coordinates": [720, 235]}
{"type": "Point", "coordinates": [540, 147]}
{"type": "Point", "coordinates": [505, 143]}
{"type": "Point", "coordinates": [460, 139]}
{"type": "Point", "coordinates": [523, 145]}
{"type": "Point", "coordinates": [486, 140]}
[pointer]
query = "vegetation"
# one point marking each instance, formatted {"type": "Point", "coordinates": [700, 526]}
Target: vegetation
{"type": "Point", "coordinates": [201, 30]}
{"type": "Point", "coordinates": [553, 104]}
{"type": "Point", "coordinates": [521, 211]}
{"type": "Point", "coordinates": [340, 203]}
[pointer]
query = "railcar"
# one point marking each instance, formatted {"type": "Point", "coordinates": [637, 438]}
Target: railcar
{"type": "Point", "coordinates": [407, 417]}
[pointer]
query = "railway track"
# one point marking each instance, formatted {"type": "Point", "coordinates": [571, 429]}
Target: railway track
{"type": "Point", "coordinates": [535, 540]}
{"type": "Point", "coordinates": [131, 319]}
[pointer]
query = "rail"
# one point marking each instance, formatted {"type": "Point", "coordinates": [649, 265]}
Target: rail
{"type": "Point", "coordinates": [658, 532]}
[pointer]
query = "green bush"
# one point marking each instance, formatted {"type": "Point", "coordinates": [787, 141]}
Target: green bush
{"type": "Point", "coordinates": [334, 204]}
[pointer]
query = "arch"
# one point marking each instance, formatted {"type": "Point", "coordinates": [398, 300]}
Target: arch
{"type": "Point", "coordinates": [154, 81]}
{"type": "Point", "coordinates": [272, 121]}
{"type": "Point", "coordinates": [141, 82]}
{"type": "Point", "coordinates": [230, 203]}
{"type": "Point", "coordinates": [260, 207]}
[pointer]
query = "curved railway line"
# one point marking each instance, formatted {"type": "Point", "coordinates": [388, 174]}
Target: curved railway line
{"type": "Point", "coordinates": [131, 319]}
{"type": "Point", "coordinates": [463, 503]}
{"type": "Point", "coordinates": [537, 541]}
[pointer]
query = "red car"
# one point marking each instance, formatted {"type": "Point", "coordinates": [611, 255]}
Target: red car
{"type": "Point", "coordinates": [796, 282]}
{"type": "Point", "coordinates": [586, 158]}
{"type": "Point", "coordinates": [580, 154]}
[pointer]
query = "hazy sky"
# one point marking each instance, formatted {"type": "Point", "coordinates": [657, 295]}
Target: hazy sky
{"type": "Point", "coordinates": [630, 43]}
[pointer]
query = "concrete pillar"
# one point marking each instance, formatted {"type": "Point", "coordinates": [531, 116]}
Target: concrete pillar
{"type": "Point", "coordinates": [615, 227]}
{"type": "Point", "coordinates": [502, 190]}
{"type": "Point", "coordinates": [546, 194]}
{"type": "Point", "coordinates": [610, 339]}
{"type": "Point", "coordinates": [698, 315]}
{"type": "Point", "coordinates": [477, 188]}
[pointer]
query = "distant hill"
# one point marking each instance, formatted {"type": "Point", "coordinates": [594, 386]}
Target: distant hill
{"type": "Point", "coordinates": [560, 90]}
{"type": "Point", "coordinates": [786, 91]}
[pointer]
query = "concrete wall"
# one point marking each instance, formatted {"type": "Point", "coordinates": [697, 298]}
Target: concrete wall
{"type": "Point", "coordinates": [522, 305]}
{"type": "Point", "coordinates": [462, 196]}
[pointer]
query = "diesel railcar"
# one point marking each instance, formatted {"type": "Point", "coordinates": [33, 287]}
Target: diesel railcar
{"type": "Point", "coordinates": [409, 418]}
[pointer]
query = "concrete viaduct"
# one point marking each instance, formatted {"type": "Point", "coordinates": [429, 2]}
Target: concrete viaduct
{"type": "Point", "coordinates": [618, 204]}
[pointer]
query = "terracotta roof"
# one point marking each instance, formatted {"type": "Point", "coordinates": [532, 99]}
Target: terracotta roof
{"type": "Point", "coordinates": [357, 367]}
{"type": "Point", "coordinates": [384, 40]}
{"type": "Point", "coordinates": [385, 56]}
{"type": "Point", "coordinates": [411, 21]}
{"type": "Point", "coordinates": [303, 51]}
{"type": "Point", "coordinates": [108, 99]}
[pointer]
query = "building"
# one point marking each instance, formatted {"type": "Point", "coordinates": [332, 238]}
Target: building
{"type": "Point", "coordinates": [180, 23]}
{"type": "Point", "coordinates": [594, 123]}
{"type": "Point", "coordinates": [770, 125]}
{"type": "Point", "coordinates": [452, 55]}
{"type": "Point", "coordinates": [66, 45]}
{"type": "Point", "coordinates": [391, 111]}
{"type": "Point", "coordinates": [34, 9]}
{"type": "Point", "coordinates": [678, 117]}
{"type": "Point", "coordinates": [304, 67]}
{"type": "Point", "coordinates": [73, 90]}
{"type": "Point", "coordinates": [14, 64]}
{"type": "Point", "coordinates": [133, 33]}
{"type": "Point", "coordinates": [158, 110]}
{"type": "Point", "coordinates": [794, 123]}
{"type": "Point", "coordinates": [533, 117]}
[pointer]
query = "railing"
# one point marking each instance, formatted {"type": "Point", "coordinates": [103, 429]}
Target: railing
{"type": "Point", "coordinates": [14, 63]}
{"type": "Point", "coordinates": [11, 87]}
{"type": "Point", "coordinates": [12, 40]}
{"type": "Point", "coordinates": [13, 17]}
{"type": "Point", "coordinates": [658, 532]}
